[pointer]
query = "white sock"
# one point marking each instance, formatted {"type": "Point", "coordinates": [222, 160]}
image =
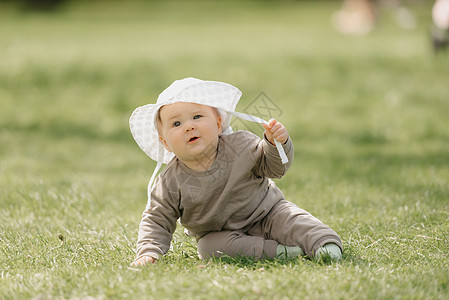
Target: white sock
{"type": "Point", "coordinates": [288, 252]}
{"type": "Point", "coordinates": [331, 250]}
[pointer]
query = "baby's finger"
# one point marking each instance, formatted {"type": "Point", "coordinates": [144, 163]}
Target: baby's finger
{"type": "Point", "coordinates": [146, 260]}
{"type": "Point", "coordinates": [271, 122]}
{"type": "Point", "coordinates": [280, 134]}
{"type": "Point", "coordinates": [136, 263]}
{"type": "Point", "coordinates": [282, 137]}
{"type": "Point", "coordinates": [276, 127]}
{"type": "Point", "coordinates": [269, 135]}
{"type": "Point", "coordinates": [143, 261]}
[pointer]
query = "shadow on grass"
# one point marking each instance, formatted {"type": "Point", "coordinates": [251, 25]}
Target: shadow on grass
{"type": "Point", "coordinates": [252, 263]}
{"type": "Point", "coordinates": [351, 258]}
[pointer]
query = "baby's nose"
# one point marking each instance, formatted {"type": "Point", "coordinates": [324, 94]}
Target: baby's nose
{"type": "Point", "coordinates": [189, 127]}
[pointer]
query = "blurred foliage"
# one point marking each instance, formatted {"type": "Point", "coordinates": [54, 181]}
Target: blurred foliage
{"type": "Point", "coordinates": [49, 5]}
{"type": "Point", "coordinates": [38, 5]}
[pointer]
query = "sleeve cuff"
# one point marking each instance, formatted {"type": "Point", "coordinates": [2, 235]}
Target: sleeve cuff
{"type": "Point", "coordinates": [273, 150]}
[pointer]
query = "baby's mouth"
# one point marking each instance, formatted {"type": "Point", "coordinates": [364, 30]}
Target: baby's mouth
{"type": "Point", "coordinates": [192, 139]}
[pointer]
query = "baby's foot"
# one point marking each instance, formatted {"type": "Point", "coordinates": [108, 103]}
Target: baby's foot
{"type": "Point", "coordinates": [329, 251]}
{"type": "Point", "coordinates": [287, 252]}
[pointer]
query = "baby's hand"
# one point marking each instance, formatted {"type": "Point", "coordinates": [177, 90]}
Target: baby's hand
{"type": "Point", "coordinates": [143, 261]}
{"type": "Point", "coordinates": [275, 130]}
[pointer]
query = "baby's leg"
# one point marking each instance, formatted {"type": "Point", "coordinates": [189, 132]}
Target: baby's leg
{"type": "Point", "coordinates": [293, 226]}
{"type": "Point", "coordinates": [235, 243]}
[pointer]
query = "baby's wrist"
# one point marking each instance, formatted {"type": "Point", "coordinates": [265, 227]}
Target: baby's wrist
{"type": "Point", "coordinates": [273, 142]}
{"type": "Point", "coordinates": [266, 139]}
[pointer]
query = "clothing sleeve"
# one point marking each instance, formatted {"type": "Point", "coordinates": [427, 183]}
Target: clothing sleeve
{"type": "Point", "coordinates": [270, 163]}
{"type": "Point", "coordinates": [158, 222]}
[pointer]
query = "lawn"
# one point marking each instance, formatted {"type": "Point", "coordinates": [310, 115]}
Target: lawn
{"type": "Point", "coordinates": [367, 115]}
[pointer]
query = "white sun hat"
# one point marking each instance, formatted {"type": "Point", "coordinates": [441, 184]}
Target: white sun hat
{"type": "Point", "coordinates": [220, 95]}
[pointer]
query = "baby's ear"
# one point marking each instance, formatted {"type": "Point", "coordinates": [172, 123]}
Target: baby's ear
{"type": "Point", "coordinates": [164, 142]}
{"type": "Point", "coordinates": [220, 126]}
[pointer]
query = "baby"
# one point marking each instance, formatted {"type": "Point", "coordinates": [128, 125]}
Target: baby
{"type": "Point", "coordinates": [217, 182]}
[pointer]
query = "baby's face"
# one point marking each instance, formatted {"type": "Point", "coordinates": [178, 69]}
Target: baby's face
{"type": "Point", "coordinates": [190, 130]}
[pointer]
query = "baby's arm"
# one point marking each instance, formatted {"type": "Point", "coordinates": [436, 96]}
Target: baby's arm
{"type": "Point", "coordinates": [157, 224]}
{"type": "Point", "coordinates": [270, 164]}
{"type": "Point", "coordinates": [275, 130]}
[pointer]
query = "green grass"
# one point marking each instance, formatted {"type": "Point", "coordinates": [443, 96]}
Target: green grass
{"type": "Point", "coordinates": [368, 117]}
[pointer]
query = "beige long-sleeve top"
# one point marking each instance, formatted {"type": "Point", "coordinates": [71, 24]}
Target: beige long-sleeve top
{"type": "Point", "coordinates": [233, 193]}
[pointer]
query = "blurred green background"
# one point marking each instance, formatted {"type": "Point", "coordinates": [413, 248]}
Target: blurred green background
{"type": "Point", "coordinates": [367, 115]}
{"type": "Point", "coordinates": [70, 78]}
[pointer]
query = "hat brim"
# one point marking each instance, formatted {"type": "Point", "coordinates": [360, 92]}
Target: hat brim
{"type": "Point", "coordinates": [142, 122]}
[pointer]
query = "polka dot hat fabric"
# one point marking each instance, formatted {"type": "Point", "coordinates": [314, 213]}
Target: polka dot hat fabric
{"type": "Point", "coordinates": [213, 93]}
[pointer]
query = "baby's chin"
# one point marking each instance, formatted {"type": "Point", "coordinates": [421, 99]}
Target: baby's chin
{"type": "Point", "coordinates": [202, 157]}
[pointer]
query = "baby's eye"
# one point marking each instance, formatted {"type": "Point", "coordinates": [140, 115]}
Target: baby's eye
{"type": "Point", "coordinates": [176, 124]}
{"type": "Point", "coordinates": [196, 117]}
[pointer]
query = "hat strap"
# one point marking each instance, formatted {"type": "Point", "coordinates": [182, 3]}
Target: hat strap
{"type": "Point", "coordinates": [160, 159]}
{"type": "Point", "coordinates": [252, 118]}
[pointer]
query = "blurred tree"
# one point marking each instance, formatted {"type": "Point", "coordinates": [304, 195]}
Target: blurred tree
{"type": "Point", "coordinates": [41, 5]}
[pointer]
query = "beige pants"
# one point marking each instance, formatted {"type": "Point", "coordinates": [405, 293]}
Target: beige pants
{"type": "Point", "coordinates": [285, 224]}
